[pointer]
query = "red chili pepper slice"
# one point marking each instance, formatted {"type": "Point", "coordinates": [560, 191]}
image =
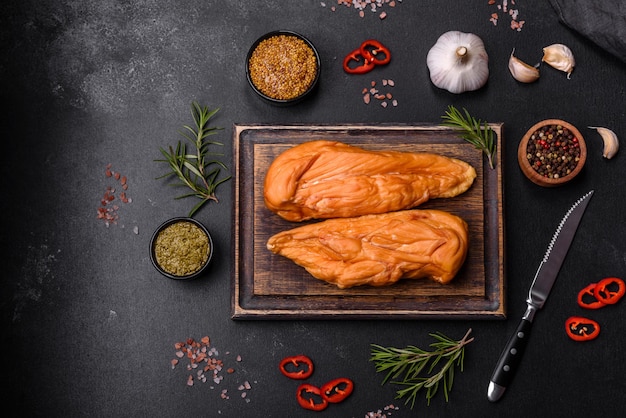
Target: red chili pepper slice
{"type": "Point", "coordinates": [587, 298]}
{"type": "Point", "coordinates": [364, 66]}
{"type": "Point", "coordinates": [581, 329]}
{"type": "Point", "coordinates": [310, 397]}
{"type": "Point", "coordinates": [292, 367]}
{"type": "Point", "coordinates": [337, 390]}
{"type": "Point", "coordinates": [372, 50]}
{"type": "Point", "coordinates": [610, 290]}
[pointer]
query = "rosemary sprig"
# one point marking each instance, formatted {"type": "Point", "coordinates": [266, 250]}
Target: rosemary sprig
{"type": "Point", "coordinates": [194, 169]}
{"type": "Point", "coordinates": [476, 132]}
{"type": "Point", "coordinates": [404, 366]}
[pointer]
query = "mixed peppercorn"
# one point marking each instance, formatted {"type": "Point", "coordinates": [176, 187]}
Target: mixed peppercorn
{"type": "Point", "coordinates": [553, 151]}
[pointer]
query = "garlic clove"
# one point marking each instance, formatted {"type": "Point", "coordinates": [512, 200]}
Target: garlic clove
{"type": "Point", "coordinates": [560, 57]}
{"type": "Point", "coordinates": [611, 143]}
{"type": "Point", "coordinates": [521, 71]}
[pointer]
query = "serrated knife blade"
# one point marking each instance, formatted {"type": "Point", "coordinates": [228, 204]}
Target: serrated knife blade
{"type": "Point", "coordinates": [539, 290]}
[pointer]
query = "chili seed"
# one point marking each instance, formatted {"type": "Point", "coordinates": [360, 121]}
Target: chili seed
{"type": "Point", "coordinates": [553, 151]}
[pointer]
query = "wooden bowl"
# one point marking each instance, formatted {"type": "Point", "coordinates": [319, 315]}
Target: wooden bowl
{"type": "Point", "coordinates": [538, 164]}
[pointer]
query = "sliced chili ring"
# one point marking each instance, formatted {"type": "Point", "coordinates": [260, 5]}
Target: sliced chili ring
{"type": "Point", "coordinates": [581, 329]}
{"type": "Point", "coordinates": [587, 298]}
{"type": "Point", "coordinates": [372, 49]}
{"type": "Point", "coordinates": [310, 397]}
{"type": "Point", "coordinates": [364, 65]}
{"type": "Point", "coordinates": [292, 367]}
{"type": "Point", "coordinates": [610, 290]}
{"type": "Point", "coordinates": [337, 390]}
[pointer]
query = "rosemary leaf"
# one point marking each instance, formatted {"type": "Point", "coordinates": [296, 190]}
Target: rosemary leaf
{"type": "Point", "coordinates": [475, 131]}
{"type": "Point", "coordinates": [404, 366]}
{"type": "Point", "coordinates": [194, 170]}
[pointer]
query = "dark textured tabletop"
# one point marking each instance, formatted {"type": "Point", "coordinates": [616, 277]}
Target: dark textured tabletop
{"type": "Point", "coordinates": [89, 327]}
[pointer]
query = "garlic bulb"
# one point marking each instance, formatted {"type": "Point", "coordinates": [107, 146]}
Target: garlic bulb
{"type": "Point", "coordinates": [521, 71]}
{"type": "Point", "coordinates": [560, 57]}
{"type": "Point", "coordinates": [458, 62]}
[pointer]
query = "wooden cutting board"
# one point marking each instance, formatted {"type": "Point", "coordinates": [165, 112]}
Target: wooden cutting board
{"type": "Point", "coordinates": [268, 286]}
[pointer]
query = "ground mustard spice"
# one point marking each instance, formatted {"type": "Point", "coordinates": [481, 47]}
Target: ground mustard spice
{"type": "Point", "coordinates": [181, 248]}
{"type": "Point", "coordinates": [283, 67]}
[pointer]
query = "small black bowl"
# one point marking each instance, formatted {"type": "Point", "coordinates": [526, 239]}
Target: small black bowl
{"type": "Point", "coordinates": [170, 273]}
{"type": "Point", "coordinates": [277, 101]}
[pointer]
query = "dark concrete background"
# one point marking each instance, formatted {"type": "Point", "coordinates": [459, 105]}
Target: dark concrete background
{"type": "Point", "coordinates": [88, 326]}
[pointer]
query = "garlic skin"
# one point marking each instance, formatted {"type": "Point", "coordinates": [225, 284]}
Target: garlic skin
{"type": "Point", "coordinates": [560, 57]}
{"type": "Point", "coordinates": [611, 143]}
{"type": "Point", "coordinates": [458, 62]}
{"type": "Point", "coordinates": [521, 71]}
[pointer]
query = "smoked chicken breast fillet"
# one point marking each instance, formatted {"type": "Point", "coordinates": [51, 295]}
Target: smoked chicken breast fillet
{"type": "Point", "coordinates": [378, 250]}
{"type": "Point", "coordinates": [326, 179]}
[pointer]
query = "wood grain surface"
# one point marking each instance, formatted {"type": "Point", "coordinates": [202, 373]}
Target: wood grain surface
{"type": "Point", "coordinates": [269, 286]}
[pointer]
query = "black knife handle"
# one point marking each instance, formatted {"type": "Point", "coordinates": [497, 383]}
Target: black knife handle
{"type": "Point", "coordinates": [509, 360]}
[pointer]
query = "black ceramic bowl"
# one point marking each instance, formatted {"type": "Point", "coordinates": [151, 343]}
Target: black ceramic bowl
{"type": "Point", "coordinates": [301, 68]}
{"type": "Point", "coordinates": [181, 248]}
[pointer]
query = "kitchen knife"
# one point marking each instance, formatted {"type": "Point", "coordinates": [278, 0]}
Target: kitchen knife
{"type": "Point", "coordinates": [539, 290]}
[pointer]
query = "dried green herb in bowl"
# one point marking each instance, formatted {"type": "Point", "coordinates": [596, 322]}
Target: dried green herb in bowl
{"type": "Point", "coordinates": [181, 248]}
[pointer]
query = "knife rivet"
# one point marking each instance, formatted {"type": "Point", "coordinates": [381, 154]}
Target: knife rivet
{"type": "Point", "coordinates": [514, 351]}
{"type": "Point", "coordinates": [520, 335]}
{"type": "Point", "coordinates": [506, 368]}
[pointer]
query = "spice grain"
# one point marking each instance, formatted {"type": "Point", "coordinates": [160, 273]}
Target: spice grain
{"type": "Point", "coordinates": [283, 67]}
